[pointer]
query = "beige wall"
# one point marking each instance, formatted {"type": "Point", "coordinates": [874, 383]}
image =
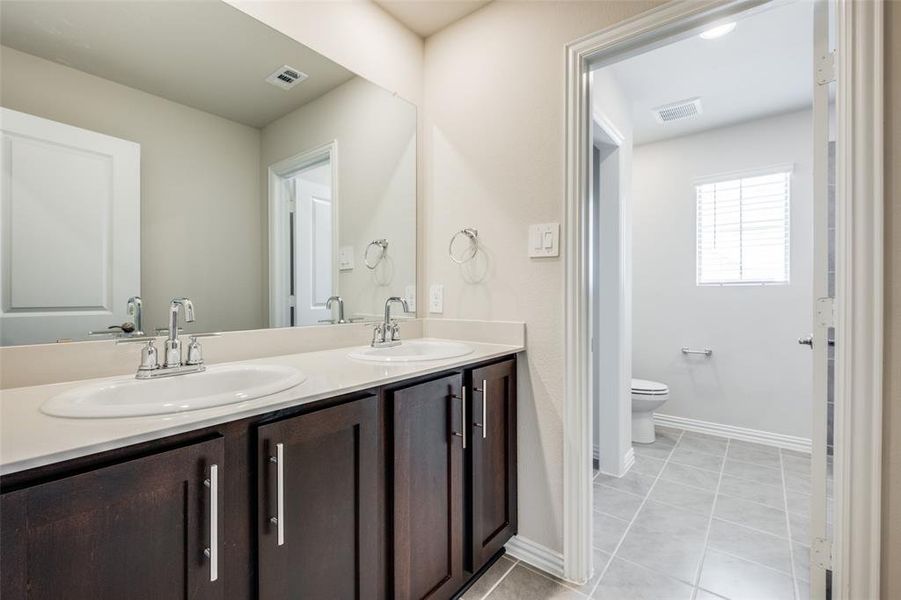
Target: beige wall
{"type": "Point", "coordinates": [376, 136]}
{"type": "Point", "coordinates": [493, 151]}
{"type": "Point", "coordinates": [891, 452]}
{"type": "Point", "coordinates": [200, 233]}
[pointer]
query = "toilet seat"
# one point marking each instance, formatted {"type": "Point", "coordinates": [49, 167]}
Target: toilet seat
{"type": "Point", "coordinates": [645, 387]}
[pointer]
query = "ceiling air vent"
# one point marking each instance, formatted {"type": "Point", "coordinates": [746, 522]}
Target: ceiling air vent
{"type": "Point", "coordinates": [676, 111]}
{"type": "Point", "coordinates": [286, 77]}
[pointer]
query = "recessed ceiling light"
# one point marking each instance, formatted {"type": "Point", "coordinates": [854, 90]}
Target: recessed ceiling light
{"type": "Point", "coordinates": [718, 31]}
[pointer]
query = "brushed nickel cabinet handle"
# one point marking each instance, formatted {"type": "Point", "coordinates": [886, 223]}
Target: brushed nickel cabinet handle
{"type": "Point", "coordinates": [279, 519]}
{"type": "Point", "coordinates": [463, 423]}
{"type": "Point", "coordinates": [484, 409]}
{"type": "Point", "coordinates": [212, 552]}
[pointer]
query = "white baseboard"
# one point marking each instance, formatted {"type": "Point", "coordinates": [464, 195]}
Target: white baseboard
{"type": "Point", "coordinates": [628, 460]}
{"type": "Point", "coordinates": [533, 553]}
{"type": "Point", "coordinates": [789, 442]}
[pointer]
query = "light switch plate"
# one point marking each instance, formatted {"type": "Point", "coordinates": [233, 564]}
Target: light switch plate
{"type": "Point", "coordinates": [544, 240]}
{"type": "Point", "coordinates": [346, 258]}
{"type": "Point", "coordinates": [410, 297]}
{"type": "Point", "coordinates": [436, 298]}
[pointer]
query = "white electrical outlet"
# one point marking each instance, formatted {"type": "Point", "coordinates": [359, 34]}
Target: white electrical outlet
{"type": "Point", "coordinates": [436, 298]}
{"type": "Point", "coordinates": [410, 297]}
{"type": "Point", "coordinates": [346, 258]}
{"type": "Point", "coordinates": [544, 240]}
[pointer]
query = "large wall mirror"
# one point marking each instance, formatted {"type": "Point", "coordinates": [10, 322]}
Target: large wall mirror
{"type": "Point", "coordinates": [183, 149]}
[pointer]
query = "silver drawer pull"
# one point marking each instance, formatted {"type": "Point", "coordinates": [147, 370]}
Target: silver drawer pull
{"type": "Point", "coordinates": [212, 552]}
{"type": "Point", "coordinates": [484, 409]}
{"type": "Point", "coordinates": [463, 424]}
{"type": "Point", "coordinates": [484, 423]}
{"type": "Point", "coordinates": [279, 519]}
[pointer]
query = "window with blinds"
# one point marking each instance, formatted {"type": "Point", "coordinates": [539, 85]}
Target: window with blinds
{"type": "Point", "coordinates": [743, 229]}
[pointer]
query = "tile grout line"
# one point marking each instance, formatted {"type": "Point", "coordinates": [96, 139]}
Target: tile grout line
{"type": "Point", "coordinates": [700, 568]}
{"type": "Point", "coordinates": [635, 516]}
{"type": "Point", "coordinates": [788, 525]}
{"type": "Point", "coordinates": [502, 577]}
{"type": "Point", "coordinates": [559, 581]}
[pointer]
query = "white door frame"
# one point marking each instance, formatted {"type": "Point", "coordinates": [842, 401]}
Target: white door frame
{"type": "Point", "coordinates": [611, 383]}
{"type": "Point", "coordinates": [859, 276]}
{"type": "Point", "coordinates": [278, 230]}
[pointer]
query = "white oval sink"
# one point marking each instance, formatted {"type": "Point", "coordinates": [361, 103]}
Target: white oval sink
{"type": "Point", "coordinates": [413, 351]}
{"type": "Point", "coordinates": [216, 386]}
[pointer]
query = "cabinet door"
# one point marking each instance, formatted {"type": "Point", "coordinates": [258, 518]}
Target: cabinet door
{"type": "Point", "coordinates": [136, 530]}
{"type": "Point", "coordinates": [493, 411]}
{"type": "Point", "coordinates": [427, 424]}
{"type": "Point", "coordinates": [319, 504]}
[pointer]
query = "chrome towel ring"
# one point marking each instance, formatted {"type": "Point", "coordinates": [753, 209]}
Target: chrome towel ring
{"type": "Point", "coordinates": [382, 244]}
{"type": "Point", "coordinates": [472, 249]}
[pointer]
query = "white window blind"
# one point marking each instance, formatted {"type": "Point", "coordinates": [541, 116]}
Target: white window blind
{"type": "Point", "coordinates": [743, 229]}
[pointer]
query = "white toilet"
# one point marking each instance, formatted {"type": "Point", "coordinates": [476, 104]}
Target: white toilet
{"type": "Point", "coordinates": [647, 396]}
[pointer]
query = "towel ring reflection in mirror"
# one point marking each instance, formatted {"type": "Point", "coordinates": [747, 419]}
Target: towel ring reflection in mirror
{"type": "Point", "coordinates": [382, 244]}
{"type": "Point", "coordinates": [472, 235]}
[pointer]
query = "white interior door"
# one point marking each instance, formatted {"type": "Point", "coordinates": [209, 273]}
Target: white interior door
{"type": "Point", "coordinates": [315, 244]}
{"type": "Point", "coordinates": [70, 231]}
{"type": "Point", "coordinates": [821, 465]}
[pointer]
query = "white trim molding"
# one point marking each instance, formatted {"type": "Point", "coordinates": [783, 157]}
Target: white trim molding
{"type": "Point", "coordinates": [627, 463]}
{"type": "Point", "coordinates": [533, 553]}
{"type": "Point", "coordinates": [859, 266]}
{"type": "Point", "coordinates": [778, 440]}
{"type": "Point", "coordinates": [859, 285]}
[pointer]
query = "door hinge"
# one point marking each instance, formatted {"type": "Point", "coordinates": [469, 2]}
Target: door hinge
{"type": "Point", "coordinates": [821, 553]}
{"type": "Point", "coordinates": [291, 302]}
{"type": "Point", "coordinates": [826, 312]}
{"type": "Point", "coordinates": [825, 68]}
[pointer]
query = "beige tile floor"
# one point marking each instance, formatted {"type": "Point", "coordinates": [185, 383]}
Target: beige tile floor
{"type": "Point", "coordinates": [697, 518]}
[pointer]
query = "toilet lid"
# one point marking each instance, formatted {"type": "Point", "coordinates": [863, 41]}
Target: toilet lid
{"type": "Point", "coordinates": [648, 387]}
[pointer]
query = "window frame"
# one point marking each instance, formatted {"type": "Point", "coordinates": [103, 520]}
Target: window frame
{"type": "Point", "coordinates": [787, 169]}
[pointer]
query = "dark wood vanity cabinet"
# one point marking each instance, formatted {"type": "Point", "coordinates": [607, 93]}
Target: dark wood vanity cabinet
{"type": "Point", "coordinates": [427, 425]}
{"type": "Point", "coordinates": [404, 492]}
{"type": "Point", "coordinates": [493, 459]}
{"type": "Point", "coordinates": [318, 504]}
{"type": "Point", "coordinates": [137, 529]}
{"type": "Point", "coordinates": [453, 494]}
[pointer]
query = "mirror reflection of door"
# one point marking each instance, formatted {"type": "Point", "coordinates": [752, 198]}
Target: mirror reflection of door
{"type": "Point", "coordinates": [313, 255]}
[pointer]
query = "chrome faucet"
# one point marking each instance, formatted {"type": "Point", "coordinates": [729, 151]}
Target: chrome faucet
{"type": "Point", "coordinates": [133, 328]}
{"type": "Point", "coordinates": [173, 345]}
{"type": "Point", "coordinates": [340, 301]}
{"type": "Point", "coordinates": [387, 333]}
{"type": "Point", "coordinates": [135, 308]}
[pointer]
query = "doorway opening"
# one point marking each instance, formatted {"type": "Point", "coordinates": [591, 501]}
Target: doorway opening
{"type": "Point", "coordinates": [708, 257]}
{"type": "Point", "coordinates": [303, 221]}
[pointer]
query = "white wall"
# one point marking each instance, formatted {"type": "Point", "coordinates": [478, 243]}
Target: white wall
{"type": "Point", "coordinates": [376, 136]}
{"type": "Point", "coordinates": [200, 233]}
{"type": "Point", "coordinates": [758, 377]}
{"type": "Point", "coordinates": [493, 152]}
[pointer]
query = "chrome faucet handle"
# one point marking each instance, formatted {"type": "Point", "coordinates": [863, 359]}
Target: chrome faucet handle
{"type": "Point", "coordinates": [377, 334]}
{"type": "Point", "coordinates": [195, 352]}
{"type": "Point", "coordinates": [149, 357]}
{"type": "Point", "coordinates": [395, 330]}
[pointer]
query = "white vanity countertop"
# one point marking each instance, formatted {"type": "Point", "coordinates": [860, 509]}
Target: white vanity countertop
{"type": "Point", "coordinates": [29, 438]}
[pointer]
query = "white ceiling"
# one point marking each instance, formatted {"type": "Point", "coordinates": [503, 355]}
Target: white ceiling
{"type": "Point", "coordinates": [202, 53]}
{"type": "Point", "coordinates": [764, 67]}
{"type": "Point", "coordinates": [426, 17]}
